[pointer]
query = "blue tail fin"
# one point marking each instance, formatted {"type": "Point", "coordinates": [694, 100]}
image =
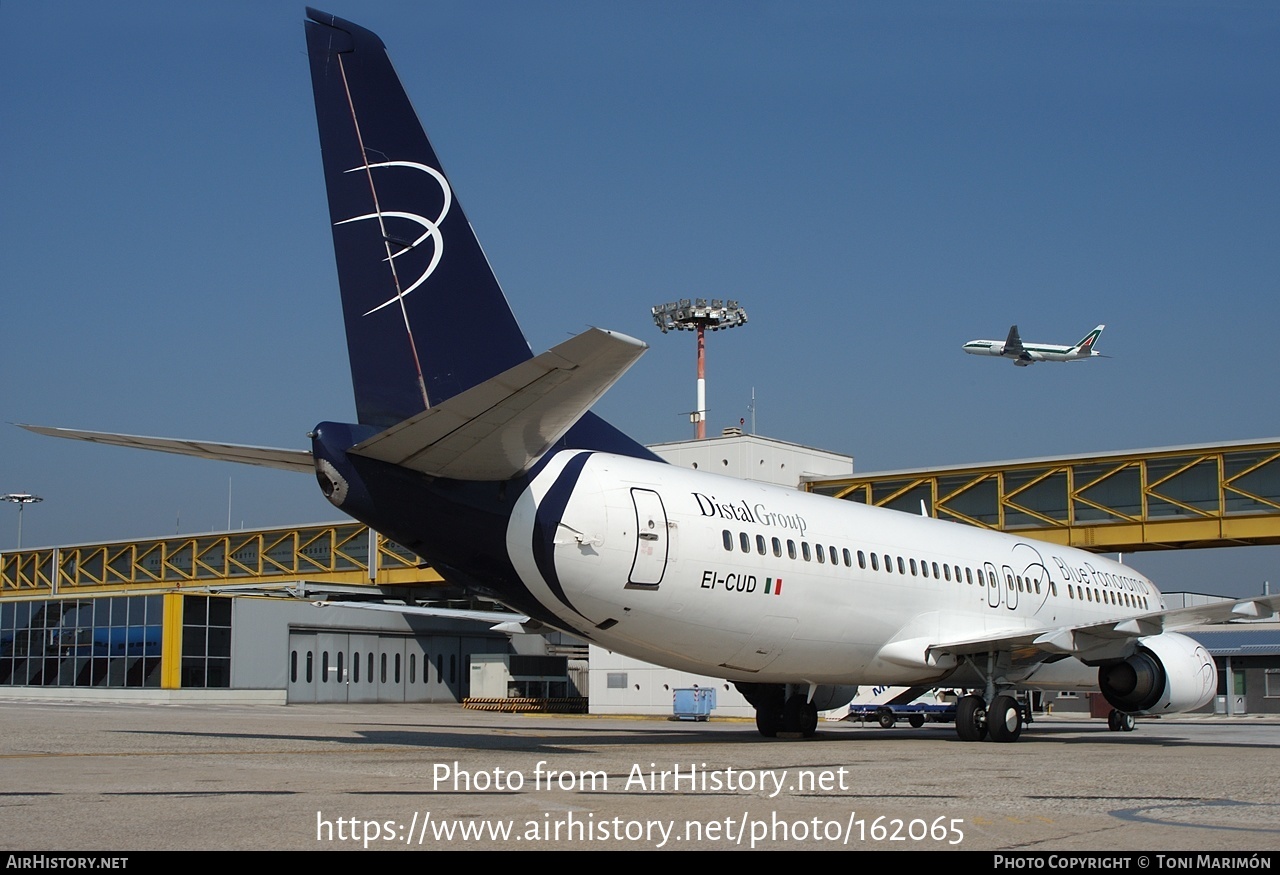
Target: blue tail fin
{"type": "Point", "coordinates": [426, 319]}
{"type": "Point", "coordinates": [425, 316]}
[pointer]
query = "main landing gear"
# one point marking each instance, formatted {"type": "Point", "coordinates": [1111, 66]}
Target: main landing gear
{"type": "Point", "coordinates": [1118, 721]}
{"type": "Point", "coordinates": [1001, 721]}
{"type": "Point", "coordinates": [782, 710]}
{"type": "Point", "coordinates": [991, 715]}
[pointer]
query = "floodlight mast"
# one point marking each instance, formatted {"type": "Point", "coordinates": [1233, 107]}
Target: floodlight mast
{"type": "Point", "coordinates": [21, 499]}
{"type": "Point", "coordinates": [698, 315]}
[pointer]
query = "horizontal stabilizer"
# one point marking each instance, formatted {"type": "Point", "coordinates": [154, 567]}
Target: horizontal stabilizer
{"type": "Point", "coordinates": [510, 622]}
{"type": "Point", "coordinates": [267, 457]}
{"type": "Point", "coordinates": [497, 429]}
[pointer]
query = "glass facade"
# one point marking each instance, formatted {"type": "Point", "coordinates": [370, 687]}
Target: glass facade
{"type": "Point", "coordinates": [111, 642]}
{"type": "Point", "coordinates": [206, 641]}
{"type": "Point", "coordinates": [103, 642]}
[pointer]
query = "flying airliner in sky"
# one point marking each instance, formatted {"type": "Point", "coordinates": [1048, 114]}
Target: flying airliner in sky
{"type": "Point", "coordinates": [1023, 354]}
{"type": "Point", "coordinates": [485, 460]}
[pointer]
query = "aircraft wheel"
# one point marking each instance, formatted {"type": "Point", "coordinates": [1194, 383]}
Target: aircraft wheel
{"type": "Point", "coordinates": [800, 715]}
{"type": "Point", "coordinates": [971, 718]}
{"type": "Point", "coordinates": [768, 722]}
{"type": "Point", "coordinates": [886, 720]}
{"type": "Point", "coordinates": [916, 720]}
{"type": "Point", "coordinates": [1119, 721]}
{"type": "Point", "coordinates": [1004, 719]}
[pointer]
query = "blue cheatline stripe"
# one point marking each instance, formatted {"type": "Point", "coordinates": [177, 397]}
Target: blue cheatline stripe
{"type": "Point", "coordinates": [547, 520]}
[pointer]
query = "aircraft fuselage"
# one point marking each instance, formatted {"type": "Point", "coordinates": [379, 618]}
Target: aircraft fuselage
{"type": "Point", "coordinates": [650, 558]}
{"type": "Point", "coordinates": [747, 581]}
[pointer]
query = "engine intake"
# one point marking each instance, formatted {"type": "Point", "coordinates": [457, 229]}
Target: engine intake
{"type": "Point", "coordinates": [1169, 673]}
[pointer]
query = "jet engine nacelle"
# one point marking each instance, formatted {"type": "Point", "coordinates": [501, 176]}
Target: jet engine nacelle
{"type": "Point", "coordinates": [1168, 673]}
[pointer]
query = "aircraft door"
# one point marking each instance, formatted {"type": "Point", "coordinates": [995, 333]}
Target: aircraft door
{"type": "Point", "coordinates": [993, 585]}
{"type": "Point", "coordinates": [1010, 588]}
{"type": "Point", "coordinates": [652, 540]}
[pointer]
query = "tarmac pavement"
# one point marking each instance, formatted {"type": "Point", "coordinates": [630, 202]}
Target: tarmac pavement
{"type": "Point", "coordinates": [131, 777]}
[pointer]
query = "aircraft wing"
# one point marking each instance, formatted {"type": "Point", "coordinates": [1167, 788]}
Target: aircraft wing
{"type": "Point", "coordinates": [268, 457]}
{"type": "Point", "coordinates": [1106, 639]}
{"type": "Point", "coordinates": [497, 429]}
{"type": "Point", "coordinates": [1013, 343]}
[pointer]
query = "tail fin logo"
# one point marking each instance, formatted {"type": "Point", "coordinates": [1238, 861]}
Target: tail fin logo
{"type": "Point", "coordinates": [396, 247]}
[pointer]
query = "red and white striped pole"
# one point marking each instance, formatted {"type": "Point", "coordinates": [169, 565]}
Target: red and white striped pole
{"type": "Point", "coordinates": [701, 432]}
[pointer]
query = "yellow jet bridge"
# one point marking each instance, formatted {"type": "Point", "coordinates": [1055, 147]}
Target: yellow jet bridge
{"type": "Point", "coordinates": [336, 554]}
{"type": "Point", "coordinates": [1205, 495]}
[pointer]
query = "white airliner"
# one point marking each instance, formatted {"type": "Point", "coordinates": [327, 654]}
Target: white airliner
{"type": "Point", "coordinates": [1023, 354]}
{"type": "Point", "coordinates": [486, 460]}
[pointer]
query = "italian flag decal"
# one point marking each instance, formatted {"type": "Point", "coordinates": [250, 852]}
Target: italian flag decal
{"type": "Point", "coordinates": [773, 586]}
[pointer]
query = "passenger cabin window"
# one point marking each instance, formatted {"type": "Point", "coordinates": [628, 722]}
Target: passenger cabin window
{"type": "Point", "coordinates": [804, 548]}
{"type": "Point", "coordinates": [745, 540]}
{"type": "Point", "coordinates": [791, 548]}
{"type": "Point", "coordinates": [760, 544]}
{"type": "Point", "coordinates": [728, 540]}
{"type": "Point", "coordinates": [777, 548]}
{"type": "Point", "coordinates": [862, 560]}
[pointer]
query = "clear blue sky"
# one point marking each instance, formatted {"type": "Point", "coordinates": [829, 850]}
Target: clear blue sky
{"type": "Point", "coordinates": [876, 182]}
